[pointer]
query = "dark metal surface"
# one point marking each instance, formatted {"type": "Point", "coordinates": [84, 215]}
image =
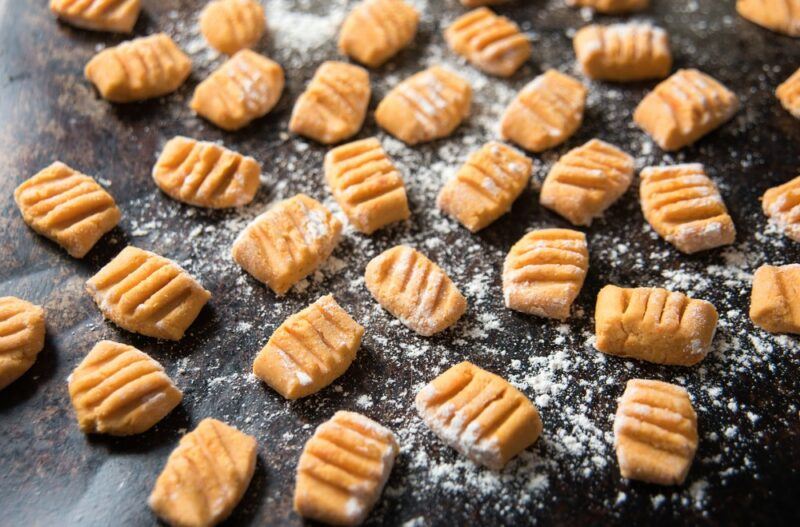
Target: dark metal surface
{"type": "Point", "coordinates": [747, 469]}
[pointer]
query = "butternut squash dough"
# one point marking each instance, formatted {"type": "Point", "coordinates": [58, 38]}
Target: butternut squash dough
{"type": "Point", "coordinates": [775, 300]}
{"type": "Point", "coordinates": [22, 332]}
{"type": "Point", "coordinates": [623, 52]}
{"type": "Point", "coordinates": [232, 25]}
{"type": "Point", "coordinates": [117, 16]}
{"type": "Point", "coordinates": [376, 30]}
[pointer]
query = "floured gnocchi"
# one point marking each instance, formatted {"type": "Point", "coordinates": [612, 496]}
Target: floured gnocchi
{"type": "Point", "coordinates": [118, 16]}
{"type": "Point", "coordinates": [789, 94]}
{"type": "Point", "coordinates": [775, 300]}
{"type": "Point", "coordinates": [623, 52]}
{"type": "Point", "coordinates": [232, 25]}
{"type": "Point", "coordinates": [22, 332]}
{"type": "Point", "coordinates": [376, 30]}
{"type": "Point", "coordinates": [781, 16]}
{"type": "Point", "coordinates": [782, 205]}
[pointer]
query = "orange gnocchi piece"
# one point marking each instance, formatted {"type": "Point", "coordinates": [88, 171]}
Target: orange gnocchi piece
{"type": "Point", "coordinates": [22, 332]}
{"type": "Point", "coordinates": [611, 7]}
{"type": "Point", "coordinates": [376, 30]}
{"type": "Point", "coordinates": [789, 94]}
{"type": "Point", "coordinates": [775, 299]}
{"type": "Point", "coordinates": [232, 25]}
{"type": "Point", "coordinates": [781, 16]}
{"type": "Point", "coordinates": [782, 205]}
{"type": "Point", "coordinates": [623, 52]}
{"type": "Point", "coordinates": [118, 16]}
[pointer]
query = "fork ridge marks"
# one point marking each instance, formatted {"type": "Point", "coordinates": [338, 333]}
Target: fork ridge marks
{"type": "Point", "coordinates": [782, 205]}
{"type": "Point", "coordinates": [415, 290]}
{"type": "Point", "coordinates": [492, 43]}
{"type": "Point", "coordinates": [683, 205]}
{"type": "Point", "coordinates": [119, 390]}
{"type": "Point", "coordinates": [623, 52]}
{"type": "Point", "coordinates": [611, 6]}
{"type": "Point", "coordinates": [775, 300]}
{"type": "Point", "coordinates": [205, 476]}
{"type": "Point", "coordinates": [139, 69]}
{"type": "Point", "coordinates": [544, 272]}
{"type": "Point", "coordinates": [655, 432]}
{"type": "Point", "coordinates": [147, 294]}
{"type": "Point", "coordinates": [586, 181]}
{"type": "Point", "coordinates": [486, 186]}
{"type": "Point", "coordinates": [117, 16]}
{"type": "Point", "coordinates": [205, 174]}
{"type": "Point", "coordinates": [232, 25]}
{"type": "Point", "coordinates": [654, 325]}
{"type": "Point", "coordinates": [366, 184]}
{"type": "Point", "coordinates": [67, 207]}
{"type": "Point", "coordinates": [288, 242]}
{"type": "Point", "coordinates": [684, 108]}
{"type": "Point", "coordinates": [334, 104]}
{"type": "Point", "coordinates": [246, 87]}
{"type": "Point", "coordinates": [310, 350]}
{"type": "Point", "coordinates": [22, 332]}
{"type": "Point", "coordinates": [479, 414]}
{"type": "Point", "coordinates": [343, 469]}
{"type": "Point", "coordinates": [375, 30]}
{"type": "Point", "coordinates": [545, 113]}
{"type": "Point", "coordinates": [781, 16]}
{"type": "Point", "coordinates": [789, 94]}
{"type": "Point", "coordinates": [426, 106]}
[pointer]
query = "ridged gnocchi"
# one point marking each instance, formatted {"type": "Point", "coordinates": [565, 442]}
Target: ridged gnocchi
{"type": "Point", "coordinates": [611, 7]}
{"type": "Point", "coordinates": [623, 52]}
{"type": "Point", "coordinates": [782, 205]}
{"type": "Point", "coordinates": [232, 25]}
{"type": "Point", "coordinates": [775, 299]}
{"type": "Point", "coordinates": [789, 94]}
{"type": "Point", "coordinates": [22, 330]}
{"type": "Point", "coordinates": [781, 16]}
{"type": "Point", "coordinates": [376, 30]}
{"type": "Point", "coordinates": [118, 16]}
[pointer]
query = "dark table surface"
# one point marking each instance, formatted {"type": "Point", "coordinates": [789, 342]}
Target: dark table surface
{"type": "Point", "coordinates": [747, 468]}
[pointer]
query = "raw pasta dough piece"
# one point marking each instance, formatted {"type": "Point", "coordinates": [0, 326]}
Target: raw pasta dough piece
{"type": "Point", "coordinates": [309, 350]}
{"type": "Point", "coordinates": [119, 390]}
{"type": "Point", "coordinates": [375, 30]}
{"type": "Point", "coordinates": [67, 207]}
{"type": "Point", "coordinates": [623, 52]}
{"type": "Point", "coordinates": [782, 205]}
{"type": "Point", "coordinates": [683, 205]}
{"type": "Point", "coordinates": [288, 242]}
{"type": "Point", "coordinates": [655, 432]}
{"type": "Point", "coordinates": [545, 113]}
{"type": "Point", "coordinates": [426, 106]}
{"type": "Point", "coordinates": [775, 301]}
{"type": "Point", "coordinates": [206, 174]}
{"type": "Point", "coordinates": [334, 105]}
{"type": "Point", "coordinates": [478, 3]}
{"type": "Point", "coordinates": [205, 476]}
{"type": "Point", "coordinates": [492, 43]}
{"type": "Point", "coordinates": [544, 272]}
{"type": "Point", "coordinates": [139, 69]}
{"type": "Point", "coordinates": [21, 337]}
{"type": "Point", "coordinates": [232, 25]}
{"type": "Point", "coordinates": [479, 414]}
{"type": "Point", "coordinates": [415, 290]}
{"type": "Point", "coordinates": [781, 16]}
{"type": "Point", "coordinates": [486, 186]}
{"type": "Point", "coordinates": [243, 89]}
{"type": "Point", "coordinates": [789, 94]}
{"type": "Point", "coordinates": [684, 108]}
{"type": "Point", "coordinates": [586, 181]}
{"type": "Point", "coordinates": [366, 185]}
{"type": "Point", "coordinates": [118, 16]}
{"type": "Point", "coordinates": [654, 325]}
{"type": "Point", "coordinates": [147, 294]}
{"type": "Point", "coordinates": [343, 469]}
{"type": "Point", "coordinates": [611, 6]}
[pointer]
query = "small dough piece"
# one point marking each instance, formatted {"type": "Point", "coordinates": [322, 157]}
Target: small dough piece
{"type": "Point", "coordinates": [486, 186]}
{"type": "Point", "coordinates": [782, 205]}
{"type": "Point", "coordinates": [655, 432]}
{"type": "Point", "coordinates": [426, 106]}
{"type": "Point", "coordinates": [147, 294]}
{"type": "Point", "coordinates": [232, 25]}
{"type": "Point", "coordinates": [654, 325]}
{"type": "Point", "coordinates": [205, 174]}
{"type": "Point", "coordinates": [21, 337]}
{"type": "Point", "coordinates": [334, 105]}
{"type": "Point", "coordinates": [544, 272]}
{"type": "Point", "coordinates": [287, 242]}
{"type": "Point", "coordinates": [310, 350]}
{"type": "Point", "coordinates": [67, 207]}
{"type": "Point", "coordinates": [117, 16]}
{"type": "Point", "coordinates": [684, 108]}
{"type": "Point", "coordinates": [121, 391]}
{"type": "Point", "coordinates": [478, 3]}
{"type": "Point", "coordinates": [611, 7]}
{"type": "Point", "coordinates": [545, 113]}
{"type": "Point", "coordinates": [205, 476]}
{"type": "Point", "coordinates": [586, 181]}
{"type": "Point", "coordinates": [366, 185]}
{"type": "Point", "coordinates": [685, 208]}
{"type": "Point", "coordinates": [375, 30]}
{"type": "Point", "coordinates": [246, 87]}
{"type": "Point", "coordinates": [789, 94]}
{"type": "Point", "coordinates": [139, 69]}
{"type": "Point", "coordinates": [343, 469]}
{"type": "Point", "coordinates": [781, 16]}
{"type": "Point", "coordinates": [775, 301]}
{"type": "Point", "coordinates": [623, 52]}
{"type": "Point", "coordinates": [492, 43]}
{"type": "Point", "coordinates": [479, 414]}
{"type": "Point", "coordinates": [415, 290]}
